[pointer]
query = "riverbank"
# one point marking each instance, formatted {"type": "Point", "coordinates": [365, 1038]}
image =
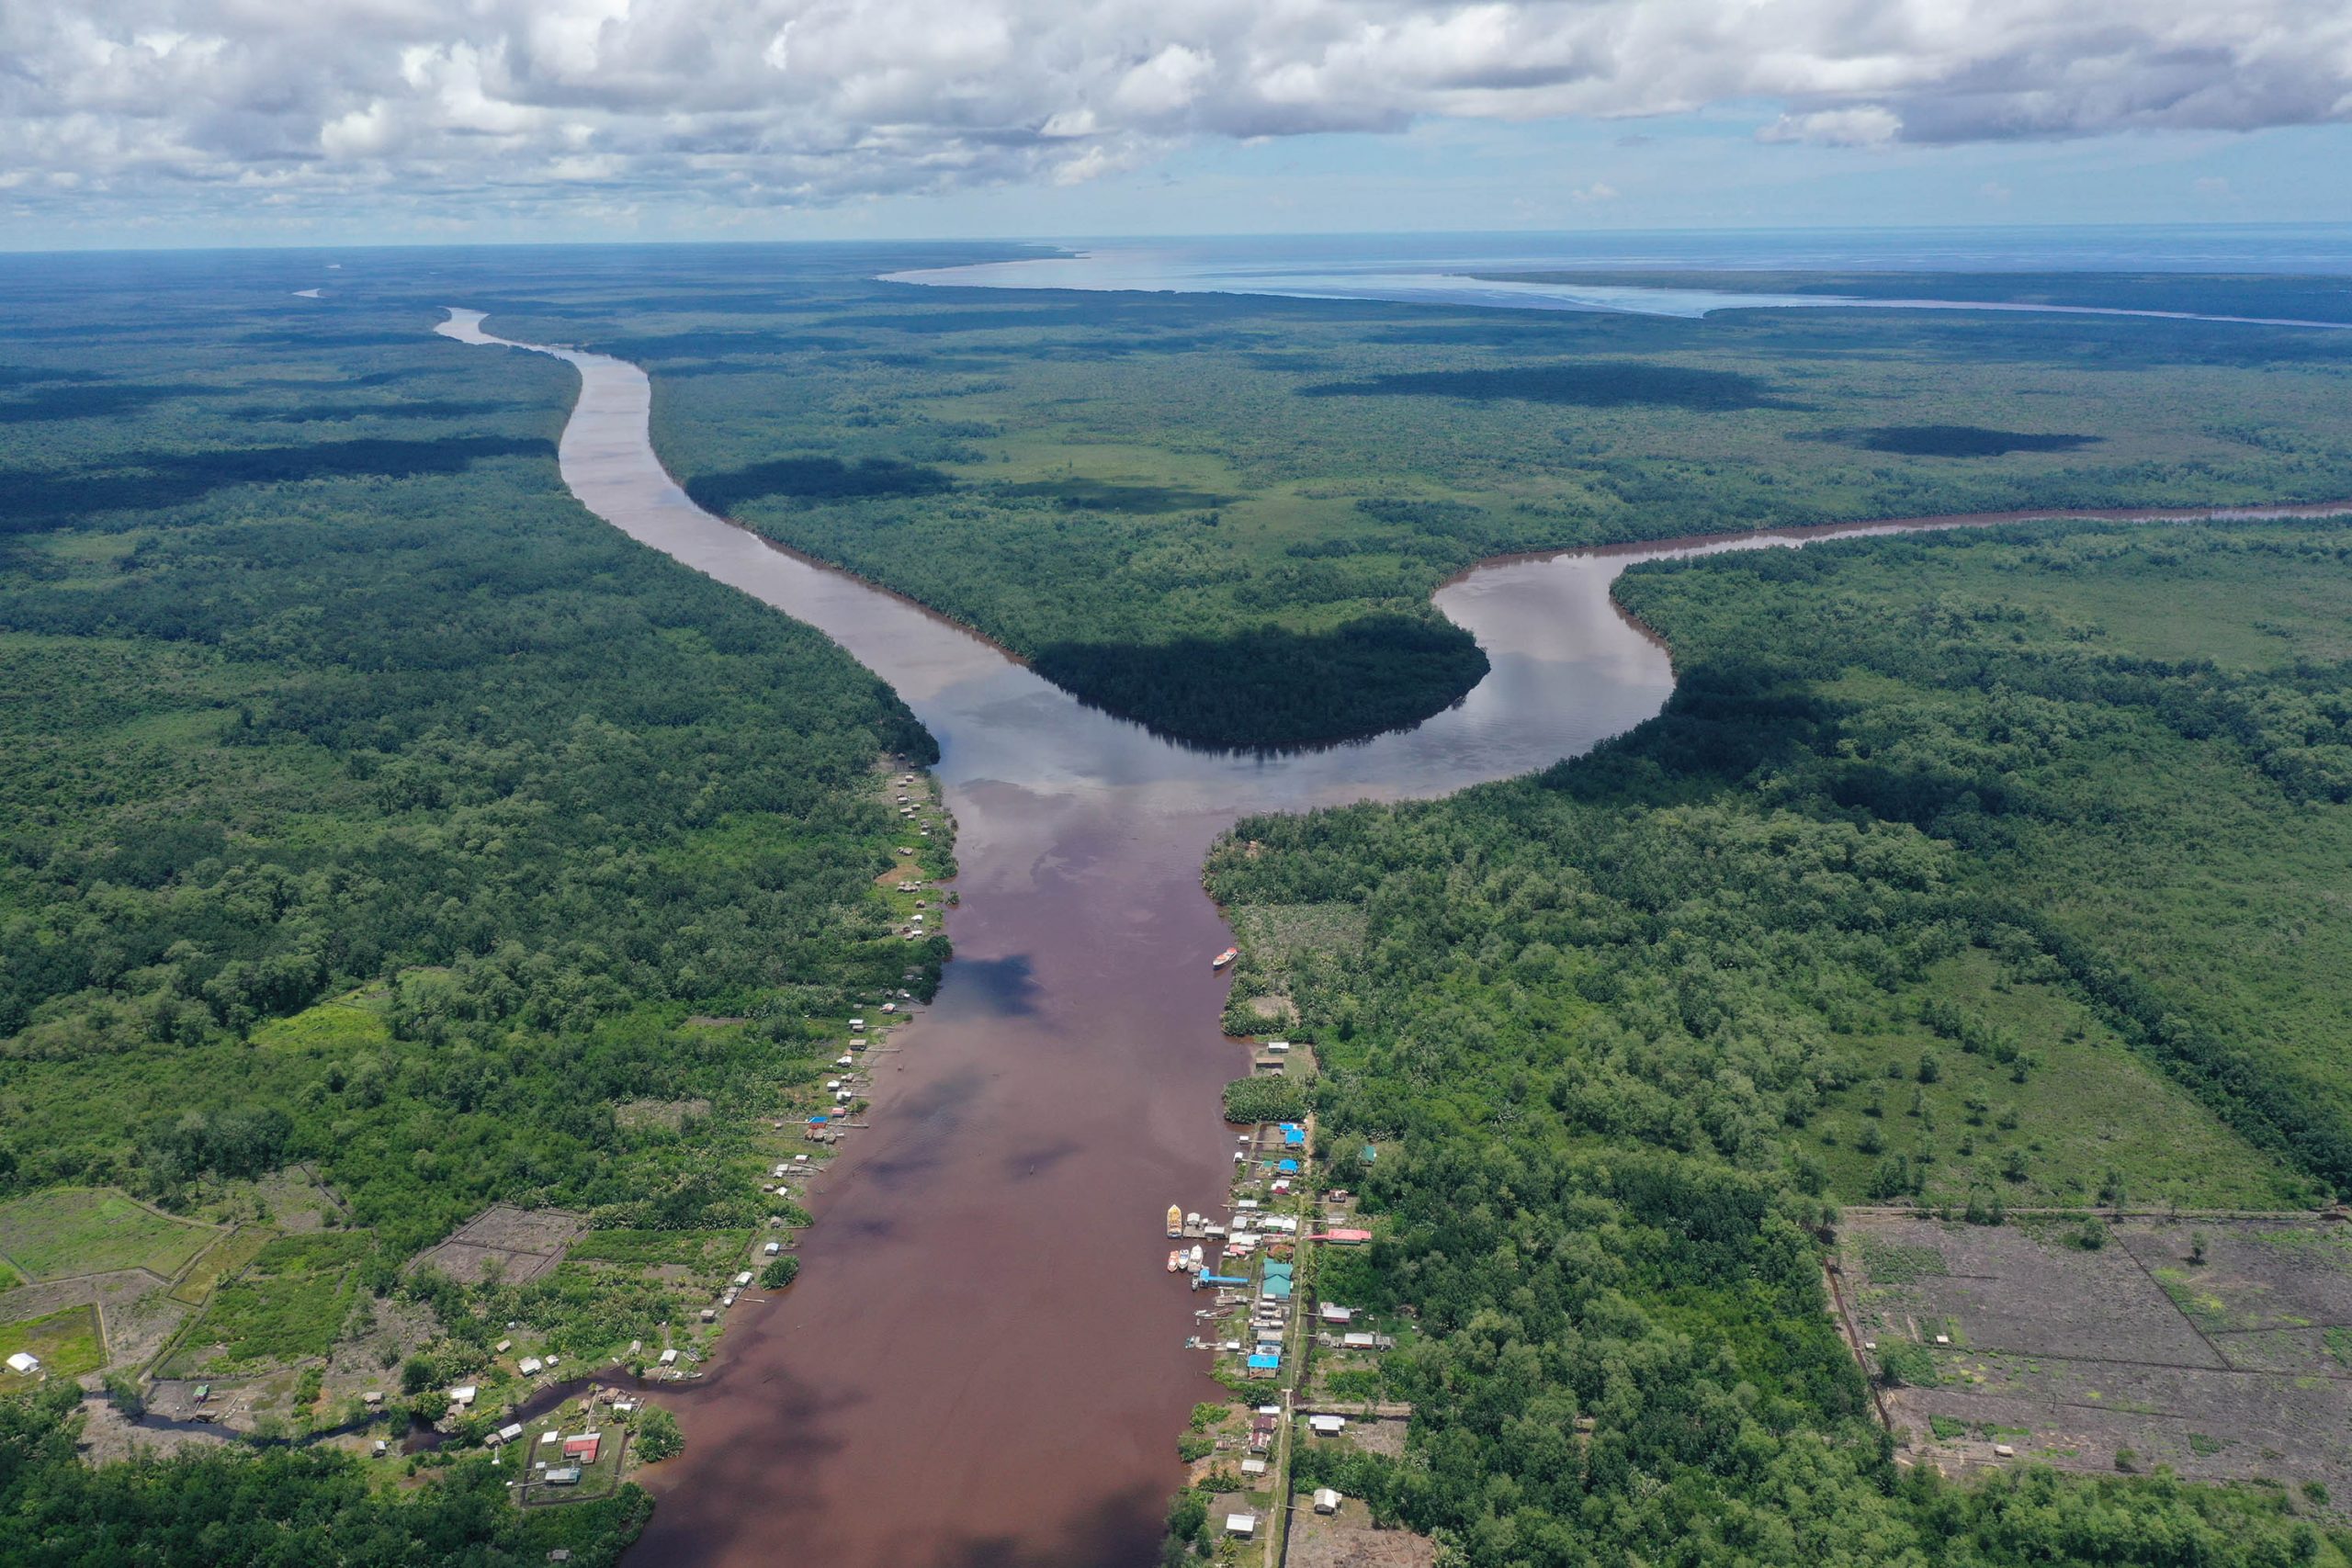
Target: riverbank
{"type": "Point", "coordinates": [1206, 511]}
{"type": "Point", "coordinates": [416, 852]}
{"type": "Point", "coordinates": [1301, 1369]}
{"type": "Point", "coordinates": [889, 1413]}
{"type": "Point", "coordinates": [1940, 882]}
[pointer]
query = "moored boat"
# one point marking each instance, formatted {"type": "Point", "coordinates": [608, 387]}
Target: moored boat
{"type": "Point", "coordinates": [1222, 959]}
{"type": "Point", "coordinates": [1175, 1219]}
{"type": "Point", "coordinates": [1176, 1260]}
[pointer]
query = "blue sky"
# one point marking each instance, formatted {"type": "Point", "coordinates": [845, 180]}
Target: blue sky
{"type": "Point", "coordinates": [327, 121]}
{"type": "Point", "coordinates": [1698, 171]}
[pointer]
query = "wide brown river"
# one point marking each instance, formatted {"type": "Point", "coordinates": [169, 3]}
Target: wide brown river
{"type": "Point", "coordinates": [981, 1365]}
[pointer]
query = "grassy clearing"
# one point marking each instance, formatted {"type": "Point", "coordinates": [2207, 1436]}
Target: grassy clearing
{"type": "Point", "coordinates": [319, 1253]}
{"type": "Point", "coordinates": [346, 1025]}
{"type": "Point", "coordinates": [2093, 1119]}
{"type": "Point", "coordinates": [292, 1303]}
{"type": "Point", "coordinates": [259, 1323]}
{"type": "Point", "coordinates": [645, 1249]}
{"type": "Point", "coordinates": [1897, 1263]}
{"type": "Point", "coordinates": [91, 1230]}
{"type": "Point", "coordinates": [68, 1343]}
{"type": "Point", "coordinates": [2207, 1309]}
{"type": "Point", "coordinates": [225, 1258]}
{"type": "Point", "coordinates": [597, 1480]}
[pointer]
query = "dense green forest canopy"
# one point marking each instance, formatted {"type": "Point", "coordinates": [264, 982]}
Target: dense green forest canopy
{"type": "Point", "coordinates": [1224, 515]}
{"type": "Point", "coordinates": [364, 802]}
{"type": "Point", "coordinates": [292, 722]}
{"type": "Point", "coordinates": [2052, 818]}
{"type": "Point", "coordinates": [375, 807]}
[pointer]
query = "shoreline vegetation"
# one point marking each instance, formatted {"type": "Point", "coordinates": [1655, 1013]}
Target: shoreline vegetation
{"type": "Point", "coordinates": [1223, 516]}
{"type": "Point", "coordinates": [1936, 885]}
{"type": "Point", "coordinates": [1622, 1035]}
{"type": "Point", "coordinates": [427, 918]}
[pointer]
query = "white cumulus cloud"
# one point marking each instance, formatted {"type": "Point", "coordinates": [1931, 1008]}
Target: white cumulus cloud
{"type": "Point", "coordinates": [1866, 125]}
{"type": "Point", "coordinates": [750, 104]}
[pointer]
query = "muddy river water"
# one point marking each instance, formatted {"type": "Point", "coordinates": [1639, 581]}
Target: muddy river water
{"type": "Point", "coordinates": [982, 1363]}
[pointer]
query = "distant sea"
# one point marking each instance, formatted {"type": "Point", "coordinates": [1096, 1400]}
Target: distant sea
{"type": "Point", "coordinates": [1444, 268]}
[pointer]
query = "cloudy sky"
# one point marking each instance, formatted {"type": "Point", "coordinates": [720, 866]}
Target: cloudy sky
{"type": "Point", "coordinates": [275, 121]}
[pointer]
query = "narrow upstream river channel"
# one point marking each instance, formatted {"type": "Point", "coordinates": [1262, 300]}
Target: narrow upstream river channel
{"type": "Point", "coordinates": [981, 1364]}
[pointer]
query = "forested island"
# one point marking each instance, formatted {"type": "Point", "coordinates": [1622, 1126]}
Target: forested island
{"type": "Point", "coordinates": [1222, 516]}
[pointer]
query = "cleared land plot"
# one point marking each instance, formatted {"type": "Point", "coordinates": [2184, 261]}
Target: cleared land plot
{"type": "Point", "coordinates": [226, 1256]}
{"type": "Point", "coordinates": [289, 1305]}
{"type": "Point", "coordinates": [317, 1252]}
{"type": "Point", "coordinates": [520, 1245]}
{"type": "Point", "coordinates": [2132, 1354]}
{"type": "Point", "coordinates": [669, 1113]}
{"type": "Point", "coordinates": [296, 1200]}
{"type": "Point", "coordinates": [68, 1344]}
{"type": "Point", "coordinates": [660, 1249]}
{"type": "Point", "coordinates": [1372, 1434]}
{"type": "Point", "coordinates": [2090, 1106]}
{"type": "Point", "coordinates": [2252, 1277]}
{"type": "Point", "coordinates": [82, 1230]}
{"type": "Point", "coordinates": [262, 1322]}
{"type": "Point", "coordinates": [1346, 1540]}
{"type": "Point", "coordinates": [599, 1479]}
{"type": "Point", "coordinates": [342, 1027]}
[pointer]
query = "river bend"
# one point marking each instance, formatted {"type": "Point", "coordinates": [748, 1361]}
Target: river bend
{"type": "Point", "coordinates": [980, 1363]}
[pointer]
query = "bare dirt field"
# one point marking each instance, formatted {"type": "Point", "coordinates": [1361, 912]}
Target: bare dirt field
{"type": "Point", "coordinates": [394, 1330]}
{"type": "Point", "coordinates": [1346, 1539]}
{"type": "Point", "coordinates": [297, 1201]}
{"type": "Point", "coordinates": [1222, 1504]}
{"type": "Point", "coordinates": [1372, 1434]}
{"type": "Point", "coordinates": [2221, 1348]}
{"type": "Point", "coordinates": [107, 1437]}
{"type": "Point", "coordinates": [521, 1244]}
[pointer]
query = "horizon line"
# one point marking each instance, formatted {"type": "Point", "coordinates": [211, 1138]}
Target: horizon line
{"type": "Point", "coordinates": [1048, 240]}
